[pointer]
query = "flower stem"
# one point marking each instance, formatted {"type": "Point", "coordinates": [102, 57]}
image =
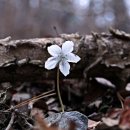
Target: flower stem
{"type": "Point", "coordinates": [58, 91]}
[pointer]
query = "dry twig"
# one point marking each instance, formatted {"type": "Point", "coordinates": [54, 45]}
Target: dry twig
{"type": "Point", "coordinates": [11, 122]}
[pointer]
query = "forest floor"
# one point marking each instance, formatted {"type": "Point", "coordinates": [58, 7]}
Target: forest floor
{"type": "Point", "coordinates": [105, 107]}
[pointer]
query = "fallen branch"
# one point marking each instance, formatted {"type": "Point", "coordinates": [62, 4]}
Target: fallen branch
{"type": "Point", "coordinates": [23, 60]}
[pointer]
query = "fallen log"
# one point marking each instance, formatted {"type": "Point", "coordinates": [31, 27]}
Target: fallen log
{"type": "Point", "coordinates": [104, 55]}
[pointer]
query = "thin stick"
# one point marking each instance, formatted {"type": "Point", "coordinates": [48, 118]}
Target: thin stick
{"type": "Point", "coordinates": [121, 99]}
{"type": "Point", "coordinates": [11, 122]}
{"type": "Point", "coordinates": [32, 99]}
{"type": "Point", "coordinates": [19, 105]}
{"type": "Point", "coordinates": [36, 97]}
{"type": "Point", "coordinates": [58, 91]}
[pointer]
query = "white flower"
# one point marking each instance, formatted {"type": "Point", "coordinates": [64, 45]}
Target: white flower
{"type": "Point", "coordinates": [61, 56]}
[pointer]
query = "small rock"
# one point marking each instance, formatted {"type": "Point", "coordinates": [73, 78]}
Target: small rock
{"type": "Point", "coordinates": [63, 119]}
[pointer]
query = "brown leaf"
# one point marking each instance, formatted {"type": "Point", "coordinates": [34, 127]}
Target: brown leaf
{"type": "Point", "coordinates": [41, 125]}
{"type": "Point", "coordinates": [114, 113]}
{"type": "Point", "coordinates": [113, 117]}
{"type": "Point", "coordinates": [125, 120]}
{"type": "Point", "coordinates": [127, 103]}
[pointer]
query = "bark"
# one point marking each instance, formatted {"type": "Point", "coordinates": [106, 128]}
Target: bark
{"type": "Point", "coordinates": [102, 55]}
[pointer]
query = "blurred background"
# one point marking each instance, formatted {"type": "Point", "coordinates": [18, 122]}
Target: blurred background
{"type": "Point", "coordinates": [37, 18]}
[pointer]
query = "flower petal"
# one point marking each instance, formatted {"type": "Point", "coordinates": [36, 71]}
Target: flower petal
{"type": "Point", "coordinates": [54, 50]}
{"type": "Point", "coordinates": [51, 63]}
{"type": "Point", "coordinates": [67, 47]}
{"type": "Point", "coordinates": [72, 58]}
{"type": "Point", "coordinates": [64, 67]}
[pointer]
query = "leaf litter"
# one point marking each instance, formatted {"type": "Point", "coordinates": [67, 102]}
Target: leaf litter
{"type": "Point", "coordinates": [104, 111]}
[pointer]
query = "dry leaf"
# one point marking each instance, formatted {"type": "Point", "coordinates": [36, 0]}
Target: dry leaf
{"type": "Point", "coordinates": [105, 82]}
{"type": "Point", "coordinates": [92, 124]}
{"type": "Point", "coordinates": [125, 120]}
{"type": "Point", "coordinates": [127, 103]}
{"type": "Point", "coordinates": [127, 87]}
{"type": "Point", "coordinates": [110, 122]}
{"type": "Point", "coordinates": [20, 97]}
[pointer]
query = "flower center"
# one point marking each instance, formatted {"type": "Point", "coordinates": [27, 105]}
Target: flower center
{"type": "Point", "coordinates": [62, 57]}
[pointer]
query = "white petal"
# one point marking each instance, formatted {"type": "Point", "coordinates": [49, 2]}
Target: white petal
{"type": "Point", "coordinates": [64, 67]}
{"type": "Point", "coordinates": [54, 50]}
{"type": "Point", "coordinates": [51, 63]}
{"type": "Point", "coordinates": [72, 58]}
{"type": "Point", "coordinates": [67, 47]}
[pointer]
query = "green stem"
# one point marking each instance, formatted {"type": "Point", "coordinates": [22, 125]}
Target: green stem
{"type": "Point", "coordinates": [58, 91]}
